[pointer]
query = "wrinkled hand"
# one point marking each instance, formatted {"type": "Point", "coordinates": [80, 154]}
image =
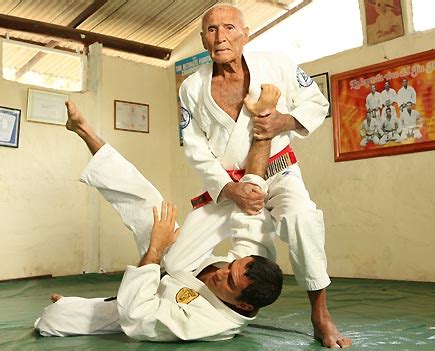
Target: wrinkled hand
{"type": "Point", "coordinates": [271, 123]}
{"type": "Point", "coordinates": [163, 234]}
{"type": "Point", "coordinates": [268, 99]}
{"type": "Point", "coordinates": [248, 197]}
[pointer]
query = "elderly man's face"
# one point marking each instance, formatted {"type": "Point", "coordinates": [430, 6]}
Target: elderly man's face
{"type": "Point", "coordinates": [224, 34]}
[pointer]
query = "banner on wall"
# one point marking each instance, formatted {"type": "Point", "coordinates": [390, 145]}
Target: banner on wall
{"type": "Point", "coordinates": [183, 69]}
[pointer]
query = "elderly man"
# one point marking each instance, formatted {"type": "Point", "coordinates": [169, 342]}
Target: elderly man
{"type": "Point", "coordinates": [218, 135]}
{"type": "Point", "coordinates": [211, 302]}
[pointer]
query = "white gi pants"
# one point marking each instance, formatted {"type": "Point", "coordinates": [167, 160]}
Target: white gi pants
{"type": "Point", "coordinates": [294, 215]}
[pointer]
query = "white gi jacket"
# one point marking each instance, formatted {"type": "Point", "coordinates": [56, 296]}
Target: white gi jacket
{"type": "Point", "coordinates": [373, 101]}
{"type": "Point", "coordinates": [405, 95]}
{"type": "Point", "coordinates": [176, 307]}
{"type": "Point", "coordinates": [390, 95]}
{"type": "Point", "coordinates": [215, 142]}
{"type": "Point", "coordinates": [173, 308]}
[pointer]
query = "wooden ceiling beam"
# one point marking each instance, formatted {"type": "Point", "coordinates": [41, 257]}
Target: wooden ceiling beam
{"type": "Point", "coordinates": [280, 19]}
{"type": "Point", "coordinates": [86, 13]}
{"type": "Point", "coordinates": [84, 37]}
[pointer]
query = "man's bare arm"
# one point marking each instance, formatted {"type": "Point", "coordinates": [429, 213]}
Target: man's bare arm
{"type": "Point", "coordinates": [248, 196]}
{"type": "Point", "coordinates": [163, 234]}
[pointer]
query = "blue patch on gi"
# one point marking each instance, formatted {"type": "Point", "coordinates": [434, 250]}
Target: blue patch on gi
{"type": "Point", "coordinates": [291, 172]}
{"type": "Point", "coordinates": [185, 117]}
{"type": "Point", "coordinates": [304, 79]}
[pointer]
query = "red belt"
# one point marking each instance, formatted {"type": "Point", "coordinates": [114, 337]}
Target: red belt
{"type": "Point", "coordinates": [277, 163]}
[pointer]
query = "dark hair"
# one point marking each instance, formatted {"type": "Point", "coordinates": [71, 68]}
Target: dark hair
{"type": "Point", "coordinates": [266, 277]}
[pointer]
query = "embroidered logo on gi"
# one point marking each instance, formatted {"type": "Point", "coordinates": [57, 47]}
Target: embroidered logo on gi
{"type": "Point", "coordinates": [304, 79]}
{"type": "Point", "coordinates": [185, 117]}
{"type": "Point", "coordinates": [186, 295]}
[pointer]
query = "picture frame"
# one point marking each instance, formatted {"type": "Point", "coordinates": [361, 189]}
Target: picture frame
{"type": "Point", "coordinates": [131, 116]}
{"type": "Point", "coordinates": [365, 111]}
{"type": "Point", "coordinates": [10, 119]}
{"type": "Point", "coordinates": [46, 107]}
{"type": "Point", "coordinates": [322, 80]}
{"type": "Point", "coordinates": [384, 20]}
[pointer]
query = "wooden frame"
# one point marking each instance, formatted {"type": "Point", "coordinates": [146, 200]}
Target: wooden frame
{"type": "Point", "coordinates": [384, 20]}
{"type": "Point", "coordinates": [9, 126]}
{"type": "Point", "coordinates": [353, 100]}
{"type": "Point", "coordinates": [131, 116]}
{"type": "Point", "coordinates": [46, 107]}
{"type": "Point", "coordinates": [322, 80]}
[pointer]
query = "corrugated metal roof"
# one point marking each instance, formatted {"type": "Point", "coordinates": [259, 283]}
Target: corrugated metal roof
{"type": "Point", "coordinates": [164, 23]}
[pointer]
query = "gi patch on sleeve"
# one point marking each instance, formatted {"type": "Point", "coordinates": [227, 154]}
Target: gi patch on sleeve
{"type": "Point", "coordinates": [185, 117]}
{"type": "Point", "coordinates": [304, 79]}
{"type": "Point", "coordinates": [186, 295]}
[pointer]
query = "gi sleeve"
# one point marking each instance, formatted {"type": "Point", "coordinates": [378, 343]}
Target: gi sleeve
{"type": "Point", "coordinates": [146, 314]}
{"type": "Point", "coordinates": [303, 97]}
{"type": "Point", "coordinates": [196, 147]}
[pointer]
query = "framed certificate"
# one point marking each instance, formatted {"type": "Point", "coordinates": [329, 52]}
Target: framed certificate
{"type": "Point", "coordinates": [9, 126]}
{"type": "Point", "coordinates": [46, 107]}
{"type": "Point", "coordinates": [131, 116]}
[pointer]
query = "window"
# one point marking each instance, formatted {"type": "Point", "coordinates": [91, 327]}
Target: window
{"type": "Point", "coordinates": [45, 67]}
{"type": "Point", "coordinates": [322, 28]}
{"type": "Point", "coordinates": [423, 14]}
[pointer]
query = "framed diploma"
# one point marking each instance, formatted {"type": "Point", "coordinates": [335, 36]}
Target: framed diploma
{"type": "Point", "coordinates": [9, 126]}
{"type": "Point", "coordinates": [46, 107]}
{"type": "Point", "coordinates": [131, 116]}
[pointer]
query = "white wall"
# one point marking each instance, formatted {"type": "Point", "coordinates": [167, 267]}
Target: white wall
{"type": "Point", "coordinates": [379, 212]}
{"type": "Point", "coordinates": [49, 222]}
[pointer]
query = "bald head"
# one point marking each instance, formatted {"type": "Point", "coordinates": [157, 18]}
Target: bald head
{"type": "Point", "coordinates": [224, 34]}
{"type": "Point", "coordinates": [223, 8]}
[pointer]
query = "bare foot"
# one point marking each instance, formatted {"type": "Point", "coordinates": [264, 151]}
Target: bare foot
{"type": "Point", "coordinates": [79, 124]}
{"type": "Point", "coordinates": [325, 330]}
{"type": "Point", "coordinates": [55, 297]}
{"type": "Point", "coordinates": [76, 121]}
{"type": "Point", "coordinates": [328, 335]}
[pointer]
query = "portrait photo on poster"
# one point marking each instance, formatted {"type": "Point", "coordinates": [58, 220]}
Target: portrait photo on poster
{"type": "Point", "coordinates": [322, 81]}
{"type": "Point", "coordinates": [384, 20]}
{"type": "Point", "coordinates": [9, 126]}
{"type": "Point", "coordinates": [385, 109]}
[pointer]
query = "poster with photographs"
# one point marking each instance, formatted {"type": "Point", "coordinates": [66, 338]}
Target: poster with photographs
{"type": "Point", "coordinates": [385, 109]}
